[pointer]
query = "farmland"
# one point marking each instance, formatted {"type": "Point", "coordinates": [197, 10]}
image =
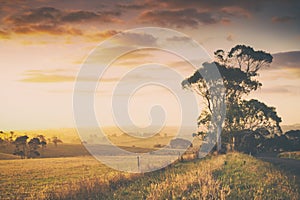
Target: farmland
{"type": "Point", "coordinates": [68, 171]}
{"type": "Point", "coordinates": [224, 176]}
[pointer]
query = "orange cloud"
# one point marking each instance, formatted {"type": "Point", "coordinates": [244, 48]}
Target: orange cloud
{"type": "Point", "coordinates": [59, 75]}
{"type": "Point", "coordinates": [48, 29]}
{"type": "Point", "coordinates": [53, 21]}
{"type": "Point", "coordinates": [98, 36]}
{"type": "Point", "coordinates": [226, 21]}
{"type": "Point", "coordinates": [47, 78]}
{"type": "Point", "coordinates": [4, 35]}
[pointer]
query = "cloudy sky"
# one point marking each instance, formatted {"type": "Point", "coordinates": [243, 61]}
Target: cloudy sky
{"type": "Point", "coordinates": [43, 44]}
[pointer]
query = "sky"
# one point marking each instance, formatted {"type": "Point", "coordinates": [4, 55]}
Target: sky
{"type": "Point", "coordinates": [43, 46]}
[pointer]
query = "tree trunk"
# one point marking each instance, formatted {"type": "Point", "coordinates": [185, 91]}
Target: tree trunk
{"type": "Point", "coordinates": [24, 151]}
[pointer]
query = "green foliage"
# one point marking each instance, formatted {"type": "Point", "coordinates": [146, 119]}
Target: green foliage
{"type": "Point", "coordinates": [252, 115]}
{"type": "Point", "coordinates": [260, 141]}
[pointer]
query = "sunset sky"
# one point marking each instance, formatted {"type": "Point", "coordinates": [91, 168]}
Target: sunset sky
{"type": "Point", "coordinates": [43, 44]}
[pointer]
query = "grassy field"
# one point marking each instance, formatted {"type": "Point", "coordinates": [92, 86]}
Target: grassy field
{"type": "Point", "coordinates": [65, 150]}
{"type": "Point", "coordinates": [231, 176]}
{"type": "Point", "coordinates": [73, 146]}
{"type": "Point", "coordinates": [62, 150]}
{"type": "Point", "coordinates": [7, 156]}
{"type": "Point", "coordinates": [32, 177]}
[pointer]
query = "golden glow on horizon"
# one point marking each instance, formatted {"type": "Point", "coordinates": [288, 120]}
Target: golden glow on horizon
{"type": "Point", "coordinates": [40, 60]}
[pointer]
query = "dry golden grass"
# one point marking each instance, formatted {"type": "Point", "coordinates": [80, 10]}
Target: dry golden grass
{"type": "Point", "coordinates": [231, 176]}
{"type": "Point", "coordinates": [6, 156]}
{"type": "Point", "coordinates": [62, 150]}
{"type": "Point", "coordinates": [251, 178]}
{"type": "Point", "coordinates": [30, 178]}
{"type": "Point", "coordinates": [196, 183]}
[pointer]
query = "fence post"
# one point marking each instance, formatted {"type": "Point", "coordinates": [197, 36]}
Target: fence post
{"type": "Point", "coordinates": [138, 163]}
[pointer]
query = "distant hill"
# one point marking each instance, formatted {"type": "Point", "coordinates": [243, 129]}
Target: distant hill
{"type": "Point", "coordinates": [286, 128]}
{"type": "Point", "coordinates": [70, 135]}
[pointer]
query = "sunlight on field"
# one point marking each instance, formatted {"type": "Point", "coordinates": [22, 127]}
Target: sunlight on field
{"type": "Point", "coordinates": [68, 171]}
{"type": "Point", "coordinates": [70, 135]}
{"type": "Point", "coordinates": [73, 142]}
{"type": "Point", "coordinates": [228, 176]}
{"type": "Point", "coordinates": [31, 177]}
{"type": "Point", "coordinates": [6, 156]}
{"type": "Point", "coordinates": [62, 150]}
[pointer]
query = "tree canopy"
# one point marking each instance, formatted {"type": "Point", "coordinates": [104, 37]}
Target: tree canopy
{"type": "Point", "coordinates": [239, 70]}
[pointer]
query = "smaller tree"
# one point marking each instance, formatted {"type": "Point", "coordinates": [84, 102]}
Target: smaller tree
{"type": "Point", "coordinates": [21, 146]}
{"type": "Point", "coordinates": [277, 144]}
{"type": "Point", "coordinates": [4, 136]}
{"type": "Point", "coordinates": [34, 145]}
{"type": "Point", "coordinates": [1, 137]}
{"type": "Point", "coordinates": [55, 141]}
{"type": "Point", "coordinates": [42, 140]}
{"type": "Point", "coordinates": [252, 115]}
{"type": "Point", "coordinates": [11, 137]}
{"type": "Point", "coordinates": [293, 137]}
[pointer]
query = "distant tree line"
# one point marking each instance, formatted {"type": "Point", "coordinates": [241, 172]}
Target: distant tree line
{"type": "Point", "coordinates": [24, 146]}
{"type": "Point", "coordinates": [258, 141]}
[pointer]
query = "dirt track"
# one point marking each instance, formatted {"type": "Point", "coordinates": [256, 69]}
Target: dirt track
{"type": "Point", "coordinates": [290, 165]}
